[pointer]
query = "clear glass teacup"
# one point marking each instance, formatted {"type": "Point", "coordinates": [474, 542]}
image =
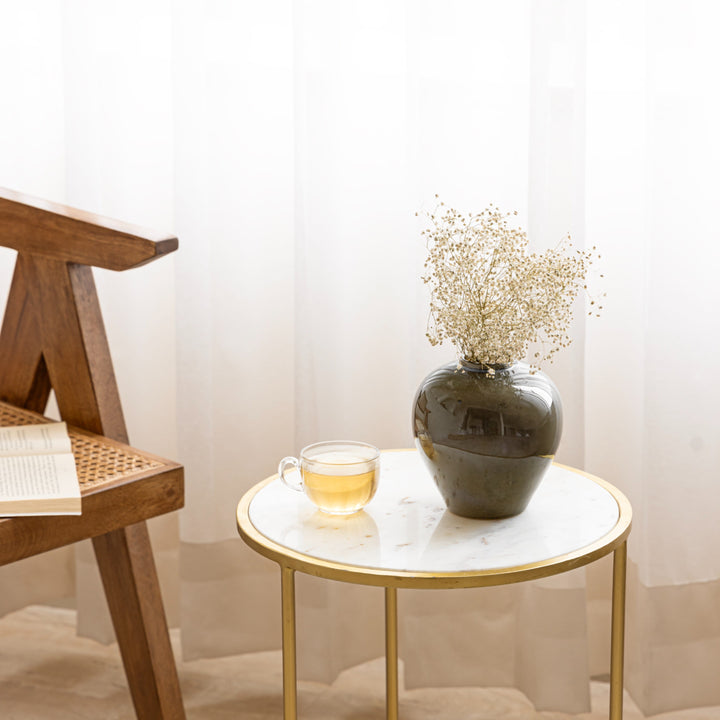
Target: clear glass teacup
{"type": "Point", "coordinates": [338, 477]}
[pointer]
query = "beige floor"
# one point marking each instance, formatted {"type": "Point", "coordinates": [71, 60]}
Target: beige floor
{"type": "Point", "coordinates": [47, 673]}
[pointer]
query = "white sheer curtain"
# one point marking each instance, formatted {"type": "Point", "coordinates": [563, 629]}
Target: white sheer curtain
{"type": "Point", "coordinates": [651, 399]}
{"type": "Point", "coordinates": [288, 144]}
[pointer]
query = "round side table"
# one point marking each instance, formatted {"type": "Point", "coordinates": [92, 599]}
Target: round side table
{"type": "Point", "coordinates": [406, 538]}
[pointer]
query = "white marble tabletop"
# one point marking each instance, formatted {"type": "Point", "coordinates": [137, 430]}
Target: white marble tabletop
{"type": "Point", "coordinates": [407, 528]}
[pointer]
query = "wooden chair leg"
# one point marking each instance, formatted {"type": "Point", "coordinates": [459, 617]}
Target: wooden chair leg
{"type": "Point", "coordinates": [24, 379]}
{"type": "Point", "coordinates": [131, 585]}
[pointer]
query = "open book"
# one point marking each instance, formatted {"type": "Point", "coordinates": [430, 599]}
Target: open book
{"type": "Point", "coordinates": [37, 471]}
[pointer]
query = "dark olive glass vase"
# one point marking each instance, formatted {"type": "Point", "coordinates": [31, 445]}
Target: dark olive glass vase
{"type": "Point", "coordinates": [487, 437]}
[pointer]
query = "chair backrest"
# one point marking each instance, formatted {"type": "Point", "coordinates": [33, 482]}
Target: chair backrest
{"type": "Point", "coordinates": [53, 334]}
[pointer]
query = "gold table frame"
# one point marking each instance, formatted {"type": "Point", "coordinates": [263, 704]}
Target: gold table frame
{"type": "Point", "coordinates": [291, 562]}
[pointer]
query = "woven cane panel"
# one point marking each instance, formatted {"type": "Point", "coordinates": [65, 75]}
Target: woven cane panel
{"type": "Point", "coordinates": [96, 461]}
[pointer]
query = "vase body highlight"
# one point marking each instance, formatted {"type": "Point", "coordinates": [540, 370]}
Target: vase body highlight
{"type": "Point", "coordinates": [487, 437]}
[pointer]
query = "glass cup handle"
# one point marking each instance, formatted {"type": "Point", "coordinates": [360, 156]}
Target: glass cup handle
{"type": "Point", "coordinates": [281, 472]}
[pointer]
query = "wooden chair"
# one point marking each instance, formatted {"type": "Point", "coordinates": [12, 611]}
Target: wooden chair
{"type": "Point", "coordinates": [53, 337]}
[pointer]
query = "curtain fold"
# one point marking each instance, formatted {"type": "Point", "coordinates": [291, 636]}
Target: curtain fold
{"type": "Point", "coordinates": [650, 403]}
{"type": "Point", "coordinates": [289, 144]}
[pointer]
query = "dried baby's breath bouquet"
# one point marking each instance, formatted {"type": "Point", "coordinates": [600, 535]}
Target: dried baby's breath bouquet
{"type": "Point", "coordinates": [492, 297]}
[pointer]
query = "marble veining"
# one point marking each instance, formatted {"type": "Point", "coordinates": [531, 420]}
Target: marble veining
{"type": "Point", "coordinates": [406, 527]}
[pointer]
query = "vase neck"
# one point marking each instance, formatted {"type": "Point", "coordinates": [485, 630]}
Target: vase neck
{"type": "Point", "coordinates": [483, 367]}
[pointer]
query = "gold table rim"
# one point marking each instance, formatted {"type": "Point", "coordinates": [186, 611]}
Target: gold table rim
{"type": "Point", "coordinates": [363, 575]}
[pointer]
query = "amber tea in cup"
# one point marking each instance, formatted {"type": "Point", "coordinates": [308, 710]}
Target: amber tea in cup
{"type": "Point", "coordinates": [339, 477]}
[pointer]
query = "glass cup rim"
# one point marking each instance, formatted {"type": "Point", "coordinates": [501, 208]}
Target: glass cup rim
{"type": "Point", "coordinates": [353, 443]}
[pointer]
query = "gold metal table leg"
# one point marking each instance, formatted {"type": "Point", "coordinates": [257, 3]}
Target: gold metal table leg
{"type": "Point", "coordinates": [391, 653]}
{"type": "Point", "coordinates": [618, 632]}
{"type": "Point", "coordinates": [287, 583]}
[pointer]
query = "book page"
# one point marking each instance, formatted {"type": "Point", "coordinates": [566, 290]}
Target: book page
{"type": "Point", "coordinates": [41, 438]}
{"type": "Point", "coordinates": [38, 476]}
